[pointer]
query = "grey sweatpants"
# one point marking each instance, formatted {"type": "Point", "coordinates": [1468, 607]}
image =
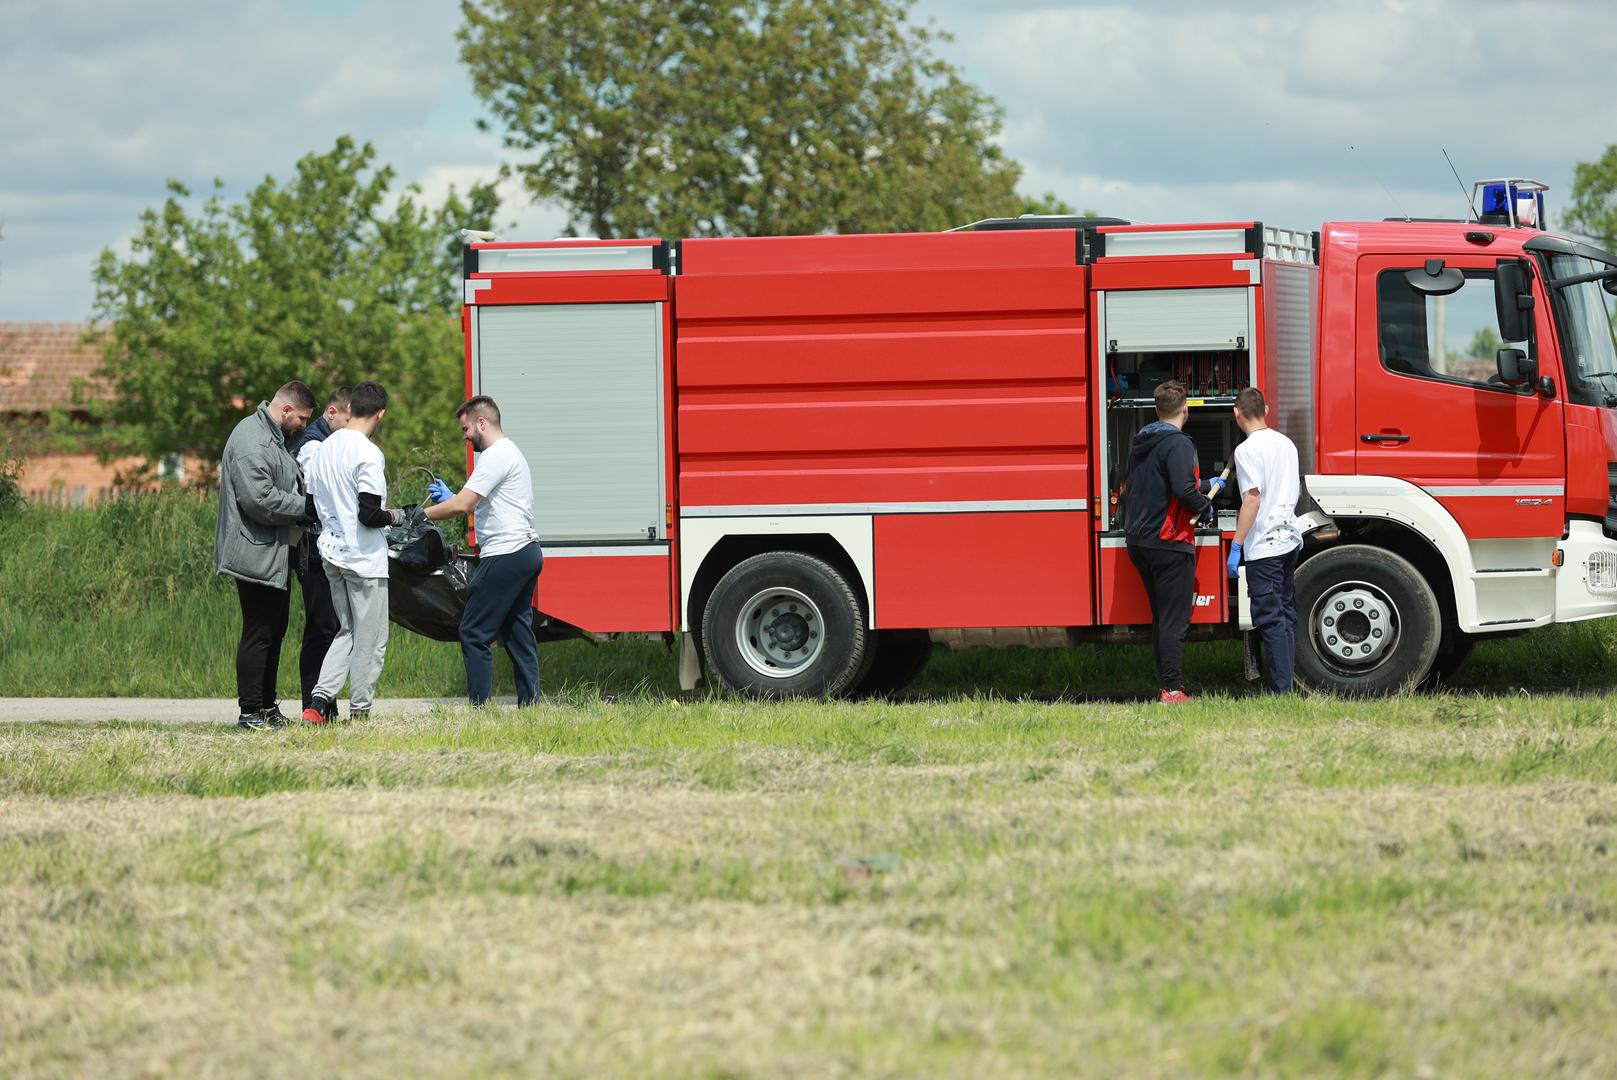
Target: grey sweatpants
{"type": "Point", "coordinates": [357, 651]}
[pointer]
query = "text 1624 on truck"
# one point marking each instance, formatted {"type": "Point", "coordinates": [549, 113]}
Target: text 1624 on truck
{"type": "Point", "coordinates": [819, 455]}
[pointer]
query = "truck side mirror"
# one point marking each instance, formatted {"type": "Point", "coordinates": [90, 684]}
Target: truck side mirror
{"type": "Point", "coordinates": [1435, 280]}
{"type": "Point", "coordinates": [1514, 367]}
{"type": "Point", "coordinates": [1513, 300]}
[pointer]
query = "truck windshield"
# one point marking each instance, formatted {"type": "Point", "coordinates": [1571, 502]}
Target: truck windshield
{"type": "Point", "coordinates": [1586, 323]}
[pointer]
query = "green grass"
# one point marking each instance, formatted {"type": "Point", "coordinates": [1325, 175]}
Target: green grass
{"type": "Point", "coordinates": [1022, 868]}
{"type": "Point", "coordinates": [121, 600]}
{"type": "Point", "coordinates": [953, 887]}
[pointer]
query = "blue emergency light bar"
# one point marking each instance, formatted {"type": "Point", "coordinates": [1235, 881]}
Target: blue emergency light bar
{"type": "Point", "coordinates": [1512, 201]}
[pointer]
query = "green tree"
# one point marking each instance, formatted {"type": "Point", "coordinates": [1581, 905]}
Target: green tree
{"type": "Point", "coordinates": [738, 117]}
{"type": "Point", "coordinates": [324, 278]}
{"type": "Point", "coordinates": [1485, 344]}
{"type": "Point", "coordinates": [1593, 211]}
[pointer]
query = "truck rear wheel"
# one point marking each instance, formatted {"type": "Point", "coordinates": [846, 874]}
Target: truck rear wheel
{"type": "Point", "coordinates": [900, 657]}
{"type": "Point", "coordinates": [785, 624]}
{"type": "Point", "coordinates": [1367, 622]}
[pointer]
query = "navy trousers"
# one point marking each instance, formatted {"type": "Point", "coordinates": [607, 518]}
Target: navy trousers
{"type": "Point", "coordinates": [320, 624]}
{"type": "Point", "coordinates": [500, 601]}
{"type": "Point", "coordinates": [1271, 587]}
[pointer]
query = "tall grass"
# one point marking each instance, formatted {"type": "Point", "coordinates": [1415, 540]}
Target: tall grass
{"type": "Point", "coordinates": [121, 600]}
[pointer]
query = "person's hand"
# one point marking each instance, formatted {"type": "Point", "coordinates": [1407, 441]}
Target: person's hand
{"type": "Point", "coordinates": [397, 516]}
{"type": "Point", "coordinates": [1235, 559]}
{"type": "Point", "coordinates": [1209, 516]}
{"type": "Point", "coordinates": [1214, 486]}
{"type": "Point", "coordinates": [438, 491]}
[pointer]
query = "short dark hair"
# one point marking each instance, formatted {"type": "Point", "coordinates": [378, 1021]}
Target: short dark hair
{"type": "Point", "coordinates": [341, 397]}
{"type": "Point", "coordinates": [368, 399]}
{"type": "Point", "coordinates": [480, 405]}
{"type": "Point", "coordinates": [1170, 398]}
{"type": "Point", "coordinates": [1249, 403]}
{"type": "Point", "coordinates": [296, 394]}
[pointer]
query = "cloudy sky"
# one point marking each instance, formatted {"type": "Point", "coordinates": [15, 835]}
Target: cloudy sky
{"type": "Point", "coordinates": [1157, 110]}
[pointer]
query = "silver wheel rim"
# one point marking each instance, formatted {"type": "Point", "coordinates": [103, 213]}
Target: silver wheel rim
{"type": "Point", "coordinates": [779, 632]}
{"type": "Point", "coordinates": [1355, 627]}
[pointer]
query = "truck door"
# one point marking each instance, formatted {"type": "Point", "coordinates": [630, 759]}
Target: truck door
{"type": "Point", "coordinates": [577, 359]}
{"type": "Point", "coordinates": [1431, 409]}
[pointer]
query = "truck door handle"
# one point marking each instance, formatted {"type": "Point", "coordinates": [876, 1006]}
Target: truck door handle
{"type": "Point", "coordinates": [1382, 437]}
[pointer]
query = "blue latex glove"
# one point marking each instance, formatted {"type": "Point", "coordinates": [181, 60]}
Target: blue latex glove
{"type": "Point", "coordinates": [1214, 486]}
{"type": "Point", "coordinates": [1235, 559]}
{"type": "Point", "coordinates": [438, 491]}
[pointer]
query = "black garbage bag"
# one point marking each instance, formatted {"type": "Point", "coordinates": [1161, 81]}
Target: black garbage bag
{"type": "Point", "coordinates": [418, 543]}
{"type": "Point", "coordinates": [429, 600]}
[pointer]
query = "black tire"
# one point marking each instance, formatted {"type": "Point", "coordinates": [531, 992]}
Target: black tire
{"type": "Point", "coordinates": [1374, 604]}
{"type": "Point", "coordinates": [900, 655]}
{"type": "Point", "coordinates": [785, 624]}
{"type": "Point", "coordinates": [1451, 657]}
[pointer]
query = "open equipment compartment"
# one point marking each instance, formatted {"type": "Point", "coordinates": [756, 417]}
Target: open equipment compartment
{"type": "Point", "coordinates": [1179, 305]}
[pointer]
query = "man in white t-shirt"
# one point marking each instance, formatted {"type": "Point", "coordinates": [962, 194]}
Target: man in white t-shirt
{"type": "Point", "coordinates": [1266, 534]}
{"type": "Point", "coordinates": [348, 478]}
{"type": "Point", "coordinates": [499, 496]}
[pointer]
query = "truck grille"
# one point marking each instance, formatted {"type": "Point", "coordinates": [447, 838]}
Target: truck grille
{"type": "Point", "coordinates": [1611, 499]}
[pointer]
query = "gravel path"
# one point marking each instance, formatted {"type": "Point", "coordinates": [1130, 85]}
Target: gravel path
{"type": "Point", "coordinates": [172, 710]}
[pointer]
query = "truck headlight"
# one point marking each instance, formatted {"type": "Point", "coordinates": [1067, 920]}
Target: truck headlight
{"type": "Point", "coordinates": [1603, 571]}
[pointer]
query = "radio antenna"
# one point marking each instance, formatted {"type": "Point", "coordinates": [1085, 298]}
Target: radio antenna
{"type": "Point", "coordinates": [1470, 208]}
{"type": "Point", "coordinates": [1394, 199]}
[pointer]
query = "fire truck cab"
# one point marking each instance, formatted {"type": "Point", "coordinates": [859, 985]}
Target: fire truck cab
{"type": "Point", "coordinates": [815, 457]}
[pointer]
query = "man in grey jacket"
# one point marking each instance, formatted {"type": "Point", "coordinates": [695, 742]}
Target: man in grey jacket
{"type": "Point", "coordinates": [262, 510]}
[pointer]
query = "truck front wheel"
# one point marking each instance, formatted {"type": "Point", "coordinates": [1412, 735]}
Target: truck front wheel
{"type": "Point", "coordinates": [1367, 622]}
{"type": "Point", "coordinates": [785, 624]}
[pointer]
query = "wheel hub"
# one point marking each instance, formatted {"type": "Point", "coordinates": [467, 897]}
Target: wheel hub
{"type": "Point", "coordinates": [1355, 624]}
{"type": "Point", "coordinates": [779, 632]}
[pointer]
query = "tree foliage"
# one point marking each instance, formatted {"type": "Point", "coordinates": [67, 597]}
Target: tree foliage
{"type": "Point", "coordinates": [738, 117]}
{"type": "Point", "coordinates": [325, 278]}
{"type": "Point", "coordinates": [1593, 211]}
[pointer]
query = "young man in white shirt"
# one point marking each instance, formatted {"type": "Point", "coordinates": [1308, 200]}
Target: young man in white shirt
{"type": "Point", "coordinates": [348, 480]}
{"type": "Point", "coordinates": [499, 496]}
{"type": "Point", "coordinates": [1267, 536]}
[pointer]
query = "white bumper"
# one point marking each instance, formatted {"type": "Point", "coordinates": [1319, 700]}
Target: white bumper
{"type": "Point", "coordinates": [1586, 583]}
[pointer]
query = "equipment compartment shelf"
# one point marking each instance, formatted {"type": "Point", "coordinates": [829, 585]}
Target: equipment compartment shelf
{"type": "Point", "coordinates": [1150, 403]}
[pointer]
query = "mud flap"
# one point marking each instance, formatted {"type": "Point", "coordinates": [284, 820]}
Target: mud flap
{"type": "Point", "coordinates": [690, 662]}
{"type": "Point", "coordinates": [1249, 656]}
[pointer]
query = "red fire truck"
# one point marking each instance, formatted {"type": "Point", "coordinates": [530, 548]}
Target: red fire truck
{"type": "Point", "coordinates": [817, 456]}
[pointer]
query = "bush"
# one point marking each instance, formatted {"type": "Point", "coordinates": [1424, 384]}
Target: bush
{"type": "Point", "coordinates": [11, 466]}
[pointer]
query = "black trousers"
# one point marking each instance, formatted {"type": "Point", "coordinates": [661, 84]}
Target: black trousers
{"type": "Point", "coordinates": [264, 611]}
{"type": "Point", "coordinates": [1170, 585]}
{"type": "Point", "coordinates": [1271, 585]}
{"type": "Point", "coordinates": [320, 624]}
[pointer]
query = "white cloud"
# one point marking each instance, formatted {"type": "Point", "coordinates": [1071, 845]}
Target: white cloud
{"type": "Point", "coordinates": [1156, 110]}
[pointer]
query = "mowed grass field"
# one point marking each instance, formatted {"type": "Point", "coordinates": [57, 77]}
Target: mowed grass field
{"type": "Point", "coordinates": [1021, 868]}
{"type": "Point", "coordinates": [966, 887]}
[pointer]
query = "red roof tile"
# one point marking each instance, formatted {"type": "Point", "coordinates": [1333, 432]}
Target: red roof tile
{"type": "Point", "coordinates": [42, 367]}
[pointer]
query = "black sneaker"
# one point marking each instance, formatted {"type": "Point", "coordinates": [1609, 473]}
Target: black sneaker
{"type": "Point", "coordinates": [358, 714]}
{"type": "Point", "coordinates": [274, 717]}
{"type": "Point", "coordinates": [254, 721]}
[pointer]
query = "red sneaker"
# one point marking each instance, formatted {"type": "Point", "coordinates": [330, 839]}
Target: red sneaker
{"type": "Point", "coordinates": [1173, 697]}
{"type": "Point", "coordinates": [314, 716]}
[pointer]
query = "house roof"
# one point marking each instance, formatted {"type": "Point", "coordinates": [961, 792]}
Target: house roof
{"type": "Point", "coordinates": [46, 366]}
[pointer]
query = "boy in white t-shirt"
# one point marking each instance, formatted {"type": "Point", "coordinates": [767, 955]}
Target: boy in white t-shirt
{"type": "Point", "coordinates": [499, 495]}
{"type": "Point", "coordinates": [1267, 537]}
{"type": "Point", "coordinates": [348, 478]}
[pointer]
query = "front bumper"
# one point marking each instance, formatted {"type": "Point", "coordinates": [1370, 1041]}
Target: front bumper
{"type": "Point", "coordinates": [1586, 583]}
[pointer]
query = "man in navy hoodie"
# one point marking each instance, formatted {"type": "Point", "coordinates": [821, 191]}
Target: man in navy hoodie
{"type": "Point", "coordinates": [1164, 500]}
{"type": "Point", "coordinates": [320, 624]}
